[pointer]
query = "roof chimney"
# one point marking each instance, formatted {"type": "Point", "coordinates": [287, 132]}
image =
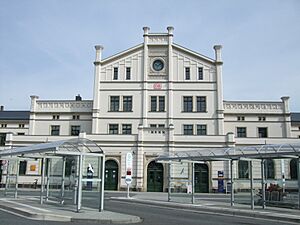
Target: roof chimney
{"type": "Point", "coordinates": [78, 98]}
{"type": "Point", "coordinates": [2, 108]}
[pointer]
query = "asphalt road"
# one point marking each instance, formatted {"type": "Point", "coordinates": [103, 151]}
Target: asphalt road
{"type": "Point", "coordinates": [152, 215]}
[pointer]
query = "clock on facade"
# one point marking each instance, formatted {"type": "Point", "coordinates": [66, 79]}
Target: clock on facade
{"type": "Point", "coordinates": [158, 65]}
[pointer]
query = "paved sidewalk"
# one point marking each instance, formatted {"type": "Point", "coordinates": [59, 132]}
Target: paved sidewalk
{"type": "Point", "coordinates": [209, 203]}
{"type": "Point", "coordinates": [30, 208]}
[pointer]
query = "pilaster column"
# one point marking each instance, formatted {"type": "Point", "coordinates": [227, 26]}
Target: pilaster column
{"type": "Point", "coordinates": [145, 78]}
{"type": "Point", "coordinates": [96, 98]}
{"type": "Point", "coordinates": [33, 109]}
{"type": "Point", "coordinates": [170, 89]}
{"type": "Point", "coordinates": [286, 117]}
{"type": "Point", "coordinates": [219, 95]}
{"type": "Point", "coordinates": [140, 160]}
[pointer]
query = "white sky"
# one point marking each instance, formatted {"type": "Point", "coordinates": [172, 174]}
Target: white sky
{"type": "Point", "coordinates": [47, 47]}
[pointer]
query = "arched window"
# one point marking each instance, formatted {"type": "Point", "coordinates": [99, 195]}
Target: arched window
{"type": "Point", "coordinates": [293, 169]}
{"type": "Point", "coordinates": [269, 169]}
{"type": "Point", "coordinates": [243, 169]}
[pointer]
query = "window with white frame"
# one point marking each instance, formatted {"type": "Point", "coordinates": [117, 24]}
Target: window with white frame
{"type": "Point", "coordinates": [188, 129]}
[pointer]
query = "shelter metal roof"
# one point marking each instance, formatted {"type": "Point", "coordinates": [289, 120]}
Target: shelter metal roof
{"type": "Point", "coordinates": [73, 146]}
{"type": "Point", "coordinates": [234, 153]}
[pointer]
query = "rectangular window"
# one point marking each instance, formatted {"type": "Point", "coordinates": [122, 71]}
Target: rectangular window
{"type": "Point", "coordinates": [262, 132]}
{"type": "Point", "coordinates": [188, 129]}
{"type": "Point", "coordinates": [2, 139]}
{"type": "Point", "coordinates": [241, 132]}
{"type": "Point", "coordinates": [153, 104]}
{"type": "Point", "coordinates": [21, 125]}
{"type": "Point", "coordinates": [161, 126]}
{"type": "Point", "coordinates": [75, 130]}
{"type": "Point", "coordinates": [261, 118]}
{"type": "Point", "coordinates": [113, 128]}
{"type": "Point", "coordinates": [161, 106]}
{"type": "Point", "coordinates": [187, 73]}
{"type": "Point", "coordinates": [126, 129]}
{"type": "Point", "coordinates": [200, 73]}
{"type": "Point", "coordinates": [240, 118]}
{"type": "Point", "coordinates": [55, 130]}
{"type": "Point", "coordinates": [201, 129]}
{"type": "Point", "coordinates": [75, 117]}
{"type": "Point", "coordinates": [128, 73]}
{"type": "Point", "coordinates": [114, 103]}
{"type": "Point", "coordinates": [127, 103]}
{"type": "Point", "coordinates": [22, 167]}
{"type": "Point", "coordinates": [187, 104]}
{"type": "Point", "coordinates": [201, 104]}
{"type": "Point", "coordinates": [153, 125]}
{"type": "Point", "coordinates": [21, 133]}
{"type": "Point", "coordinates": [55, 117]}
{"type": "Point", "coordinates": [116, 73]}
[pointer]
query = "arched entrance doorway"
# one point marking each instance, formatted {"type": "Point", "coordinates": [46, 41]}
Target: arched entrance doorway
{"type": "Point", "coordinates": [111, 175]}
{"type": "Point", "coordinates": [201, 178]}
{"type": "Point", "coordinates": [155, 177]}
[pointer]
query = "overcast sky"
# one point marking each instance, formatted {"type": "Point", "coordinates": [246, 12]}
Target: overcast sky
{"type": "Point", "coordinates": [47, 47]}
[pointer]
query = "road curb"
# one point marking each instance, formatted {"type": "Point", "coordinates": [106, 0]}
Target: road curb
{"type": "Point", "coordinates": [216, 210]}
{"type": "Point", "coordinates": [54, 217]}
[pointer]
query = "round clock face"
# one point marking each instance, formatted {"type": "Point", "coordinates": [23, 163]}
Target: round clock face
{"type": "Point", "coordinates": [158, 65]}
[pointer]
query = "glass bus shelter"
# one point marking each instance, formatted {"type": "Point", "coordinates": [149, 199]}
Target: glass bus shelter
{"type": "Point", "coordinates": [255, 155]}
{"type": "Point", "coordinates": [83, 159]}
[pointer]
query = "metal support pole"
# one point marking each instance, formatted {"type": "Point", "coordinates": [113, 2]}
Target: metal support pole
{"type": "Point", "coordinates": [263, 189]}
{"type": "Point", "coordinates": [7, 179]}
{"type": "Point", "coordinates": [101, 206]}
{"type": "Point", "coordinates": [17, 177]}
{"type": "Point", "coordinates": [48, 178]}
{"type": "Point", "coordinates": [193, 182]}
{"type": "Point", "coordinates": [169, 183]}
{"type": "Point", "coordinates": [42, 182]}
{"type": "Point", "coordinates": [62, 193]}
{"type": "Point", "coordinates": [232, 184]}
{"type": "Point", "coordinates": [79, 191]}
{"type": "Point", "coordinates": [76, 180]}
{"type": "Point", "coordinates": [298, 166]}
{"type": "Point", "coordinates": [251, 185]}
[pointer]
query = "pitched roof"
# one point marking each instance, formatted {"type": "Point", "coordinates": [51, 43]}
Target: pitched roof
{"type": "Point", "coordinates": [295, 117]}
{"type": "Point", "coordinates": [14, 115]}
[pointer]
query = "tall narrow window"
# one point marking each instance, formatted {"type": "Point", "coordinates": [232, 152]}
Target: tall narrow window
{"type": "Point", "coordinates": [269, 169]}
{"type": "Point", "coordinates": [153, 104]}
{"type": "Point", "coordinates": [262, 132]}
{"type": "Point", "coordinates": [113, 128]}
{"type": "Point", "coordinates": [126, 129]}
{"type": "Point", "coordinates": [22, 167]}
{"type": "Point", "coordinates": [116, 73]}
{"type": "Point", "coordinates": [187, 73]}
{"type": "Point", "coordinates": [201, 129]}
{"type": "Point", "coordinates": [201, 104]}
{"type": "Point", "coordinates": [187, 104]}
{"type": "Point", "coordinates": [2, 139]}
{"type": "Point", "coordinates": [243, 169]}
{"type": "Point", "coordinates": [114, 103]}
{"type": "Point", "coordinates": [293, 169]}
{"type": "Point", "coordinates": [200, 73]}
{"type": "Point", "coordinates": [75, 130]}
{"type": "Point", "coordinates": [241, 132]}
{"type": "Point", "coordinates": [128, 73]}
{"type": "Point", "coordinates": [161, 104]}
{"type": "Point", "coordinates": [188, 129]}
{"type": "Point", "coordinates": [55, 130]}
{"type": "Point", "coordinates": [127, 103]}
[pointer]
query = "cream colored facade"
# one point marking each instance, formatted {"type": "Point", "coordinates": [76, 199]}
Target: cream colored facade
{"type": "Point", "coordinates": [174, 105]}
